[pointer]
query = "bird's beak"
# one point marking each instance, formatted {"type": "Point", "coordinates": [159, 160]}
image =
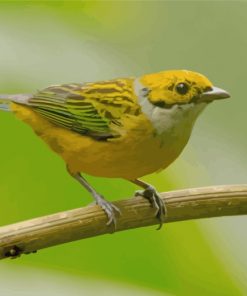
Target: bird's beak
{"type": "Point", "coordinates": [214, 94]}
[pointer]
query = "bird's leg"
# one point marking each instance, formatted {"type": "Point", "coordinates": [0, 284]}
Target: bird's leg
{"type": "Point", "coordinates": [153, 196]}
{"type": "Point", "coordinates": [106, 206]}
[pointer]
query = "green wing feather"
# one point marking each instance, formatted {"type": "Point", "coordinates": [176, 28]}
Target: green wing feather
{"type": "Point", "coordinates": [94, 109]}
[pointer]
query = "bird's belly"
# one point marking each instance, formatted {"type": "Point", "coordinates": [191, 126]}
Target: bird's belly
{"type": "Point", "coordinates": [116, 159]}
{"type": "Point", "coordinates": [132, 156]}
{"type": "Point", "coordinates": [127, 162]}
{"type": "Point", "coordinates": [139, 152]}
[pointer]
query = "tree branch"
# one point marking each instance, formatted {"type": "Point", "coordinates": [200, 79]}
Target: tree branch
{"type": "Point", "coordinates": [31, 235]}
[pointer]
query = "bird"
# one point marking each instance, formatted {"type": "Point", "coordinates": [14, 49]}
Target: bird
{"type": "Point", "coordinates": [120, 128]}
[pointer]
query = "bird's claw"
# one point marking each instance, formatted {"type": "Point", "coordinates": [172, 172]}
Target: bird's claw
{"type": "Point", "coordinates": [110, 210]}
{"type": "Point", "coordinates": [153, 196]}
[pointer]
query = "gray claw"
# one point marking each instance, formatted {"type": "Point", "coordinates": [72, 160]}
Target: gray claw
{"type": "Point", "coordinates": [152, 195]}
{"type": "Point", "coordinates": [109, 209]}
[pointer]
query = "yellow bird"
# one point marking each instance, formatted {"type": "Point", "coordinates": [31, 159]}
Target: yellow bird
{"type": "Point", "coordinates": [121, 128]}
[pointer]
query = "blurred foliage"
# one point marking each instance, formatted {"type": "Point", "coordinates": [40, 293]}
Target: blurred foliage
{"type": "Point", "coordinates": [50, 42]}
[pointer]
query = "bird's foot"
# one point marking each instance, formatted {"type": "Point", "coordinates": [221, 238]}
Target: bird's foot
{"type": "Point", "coordinates": [153, 196]}
{"type": "Point", "coordinates": [109, 208]}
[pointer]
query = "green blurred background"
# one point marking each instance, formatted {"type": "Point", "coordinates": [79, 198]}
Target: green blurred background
{"type": "Point", "coordinates": [43, 43]}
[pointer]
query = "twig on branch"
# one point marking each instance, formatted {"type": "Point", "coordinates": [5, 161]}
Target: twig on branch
{"type": "Point", "coordinates": [32, 235]}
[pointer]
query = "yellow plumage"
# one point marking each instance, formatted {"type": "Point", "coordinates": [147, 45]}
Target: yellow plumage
{"type": "Point", "coordinates": [134, 154]}
{"type": "Point", "coordinates": [124, 128]}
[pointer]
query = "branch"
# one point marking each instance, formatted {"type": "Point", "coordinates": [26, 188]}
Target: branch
{"type": "Point", "coordinates": [32, 235]}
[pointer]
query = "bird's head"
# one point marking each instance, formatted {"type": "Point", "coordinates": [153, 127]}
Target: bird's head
{"type": "Point", "coordinates": [169, 98]}
{"type": "Point", "coordinates": [168, 88]}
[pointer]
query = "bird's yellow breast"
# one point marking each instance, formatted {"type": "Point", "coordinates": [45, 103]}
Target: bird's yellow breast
{"type": "Point", "coordinates": [136, 153]}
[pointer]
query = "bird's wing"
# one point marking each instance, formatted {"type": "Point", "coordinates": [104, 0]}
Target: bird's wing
{"type": "Point", "coordinates": [95, 109]}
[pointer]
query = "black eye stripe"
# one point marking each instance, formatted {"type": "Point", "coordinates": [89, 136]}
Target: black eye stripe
{"type": "Point", "coordinates": [182, 88]}
{"type": "Point", "coordinates": [207, 88]}
{"type": "Point", "coordinates": [171, 87]}
{"type": "Point", "coordinates": [164, 105]}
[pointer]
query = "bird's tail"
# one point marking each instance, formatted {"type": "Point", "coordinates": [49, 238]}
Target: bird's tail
{"type": "Point", "coordinates": [6, 100]}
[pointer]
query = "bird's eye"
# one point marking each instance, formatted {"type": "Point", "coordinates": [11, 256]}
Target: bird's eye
{"type": "Point", "coordinates": [182, 88]}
